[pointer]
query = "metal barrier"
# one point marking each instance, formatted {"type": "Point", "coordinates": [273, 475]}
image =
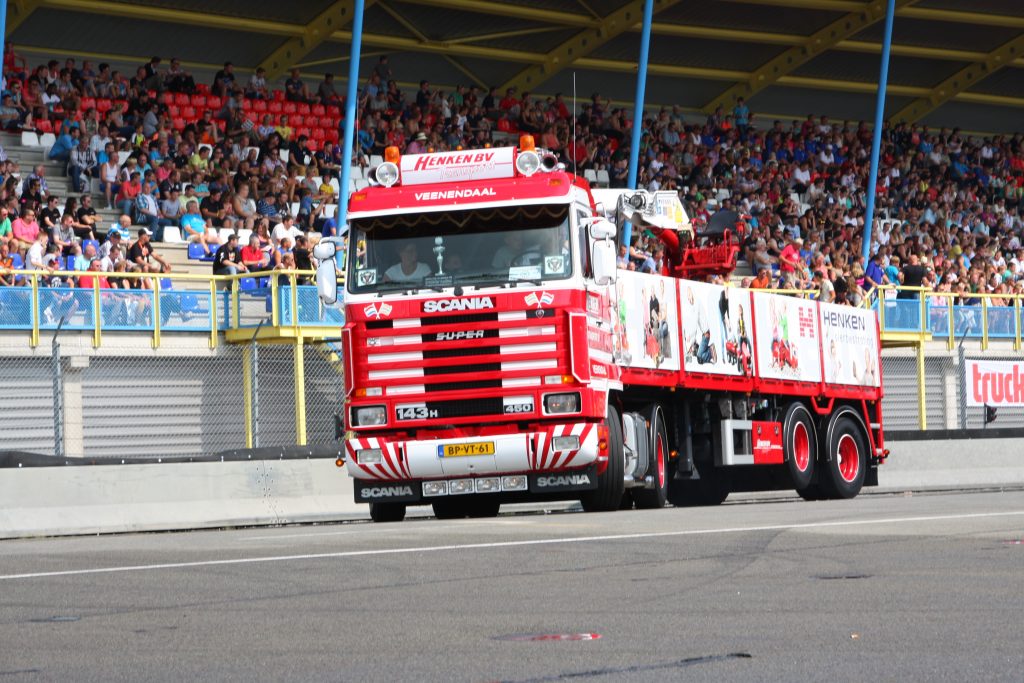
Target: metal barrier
{"type": "Point", "coordinates": [929, 314]}
{"type": "Point", "coordinates": [212, 304]}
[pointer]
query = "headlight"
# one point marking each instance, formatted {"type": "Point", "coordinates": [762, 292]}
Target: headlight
{"type": "Point", "coordinates": [562, 403]}
{"type": "Point", "coordinates": [369, 456]}
{"type": "Point", "coordinates": [563, 443]}
{"type": "Point", "coordinates": [638, 201]}
{"type": "Point", "coordinates": [369, 416]}
{"type": "Point", "coordinates": [527, 163]}
{"type": "Point", "coordinates": [386, 174]}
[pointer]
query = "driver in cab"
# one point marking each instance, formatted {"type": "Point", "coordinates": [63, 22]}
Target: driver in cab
{"type": "Point", "coordinates": [409, 268]}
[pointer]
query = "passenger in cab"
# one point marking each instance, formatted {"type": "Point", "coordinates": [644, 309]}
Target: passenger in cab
{"type": "Point", "coordinates": [409, 268]}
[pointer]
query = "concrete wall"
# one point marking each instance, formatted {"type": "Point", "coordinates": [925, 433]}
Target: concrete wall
{"type": "Point", "coordinates": [44, 501]}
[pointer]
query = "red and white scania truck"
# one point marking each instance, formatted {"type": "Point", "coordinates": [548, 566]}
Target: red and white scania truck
{"type": "Point", "coordinates": [494, 353]}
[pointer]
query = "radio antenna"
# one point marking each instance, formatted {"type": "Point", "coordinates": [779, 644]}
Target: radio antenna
{"type": "Point", "coordinates": [574, 123]}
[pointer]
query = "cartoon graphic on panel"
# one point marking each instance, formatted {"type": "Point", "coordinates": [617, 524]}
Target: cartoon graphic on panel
{"type": "Point", "coordinates": [716, 329]}
{"type": "Point", "coordinates": [646, 326]}
{"type": "Point", "coordinates": [787, 330]}
{"type": "Point", "coordinates": [850, 337]}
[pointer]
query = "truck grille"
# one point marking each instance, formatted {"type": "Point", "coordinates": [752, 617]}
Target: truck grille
{"type": "Point", "coordinates": [459, 353]}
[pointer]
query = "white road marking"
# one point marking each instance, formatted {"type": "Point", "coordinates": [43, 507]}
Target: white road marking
{"type": "Point", "coordinates": [507, 544]}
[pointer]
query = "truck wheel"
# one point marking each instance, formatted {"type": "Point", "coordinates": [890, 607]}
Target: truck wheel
{"type": "Point", "coordinates": [843, 475]}
{"type": "Point", "coordinates": [653, 499]}
{"type": "Point", "coordinates": [387, 512]}
{"type": "Point", "coordinates": [801, 447]}
{"type": "Point", "coordinates": [610, 485]}
{"type": "Point", "coordinates": [449, 509]}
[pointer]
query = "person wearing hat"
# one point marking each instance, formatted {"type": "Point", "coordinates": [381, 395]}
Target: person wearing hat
{"type": "Point", "coordinates": [418, 144]}
{"type": "Point", "coordinates": [228, 259]}
{"type": "Point", "coordinates": [142, 257]}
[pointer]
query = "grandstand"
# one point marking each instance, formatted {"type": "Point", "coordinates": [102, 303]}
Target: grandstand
{"type": "Point", "coordinates": [792, 155]}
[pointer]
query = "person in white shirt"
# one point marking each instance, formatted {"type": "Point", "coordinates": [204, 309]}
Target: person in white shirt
{"type": "Point", "coordinates": [286, 228]}
{"type": "Point", "coordinates": [409, 268]}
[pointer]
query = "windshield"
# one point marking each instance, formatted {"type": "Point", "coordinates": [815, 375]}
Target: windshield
{"type": "Point", "coordinates": [465, 248]}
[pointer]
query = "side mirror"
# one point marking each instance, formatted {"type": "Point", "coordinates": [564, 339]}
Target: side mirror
{"type": "Point", "coordinates": [604, 263]}
{"type": "Point", "coordinates": [325, 250]}
{"type": "Point", "coordinates": [602, 229]}
{"type": "Point", "coordinates": [327, 281]}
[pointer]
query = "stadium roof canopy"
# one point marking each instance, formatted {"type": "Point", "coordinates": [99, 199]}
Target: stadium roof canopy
{"type": "Point", "coordinates": [953, 63]}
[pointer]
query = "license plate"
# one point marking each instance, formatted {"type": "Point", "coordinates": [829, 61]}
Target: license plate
{"type": "Point", "coordinates": [456, 450]}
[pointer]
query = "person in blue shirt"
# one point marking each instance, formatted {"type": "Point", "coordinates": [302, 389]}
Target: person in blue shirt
{"type": "Point", "coordinates": [741, 115]}
{"type": "Point", "coordinates": [61, 150]}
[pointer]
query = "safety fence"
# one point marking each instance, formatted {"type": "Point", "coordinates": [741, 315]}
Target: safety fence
{"type": "Point", "coordinates": [163, 303]}
{"type": "Point", "coordinates": [186, 401]}
{"type": "Point", "coordinates": [949, 315]}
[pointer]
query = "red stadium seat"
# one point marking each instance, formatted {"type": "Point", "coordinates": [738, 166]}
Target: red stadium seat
{"type": "Point", "coordinates": [203, 88]}
{"type": "Point", "coordinates": [151, 93]}
{"type": "Point", "coordinates": [313, 144]}
{"type": "Point", "coordinates": [318, 110]}
{"type": "Point", "coordinates": [88, 103]}
{"type": "Point", "coordinates": [295, 120]}
{"type": "Point", "coordinates": [318, 134]}
{"type": "Point", "coordinates": [332, 135]}
{"type": "Point", "coordinates": [44, 126]}
{"type": "Point", "coordinates": [198, 101]}
{"type": "Point", "coordinates": [181, 99]}
{"type": "Point", "coordinates": [259, 105]}
{"type": "Point", "coordinates": [167, 98]}
{"type": "Point", "coordinates": [329, 122]}
{"type": "Point", "coordinates": [304, 131]}
{"type": "Point", "coordinates": [303, 108]}
{"type": "Point", "coordinates": [290, 108]}
{"type": "Point", "coordinates": [275, 107]}
{"type": "Point", "coordinates": [103, 105]}
{"type": "Point", "coordinates": [278, 95]}
{"type": "Point", "coordinates": [333, 110]}
{"type": "Point", "coordinates": [173, 110]}
{"type": "Point", "coordinates": [178, 123]}
{"type": "Point", "coordinates": [214, 102]}
{"type": "Point", "coordinates": [189, 113]}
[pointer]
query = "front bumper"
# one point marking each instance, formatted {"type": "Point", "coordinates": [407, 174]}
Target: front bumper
{"type": "Point", "coordinates": [510, 489]}
{"type": "Point", "coordinates": [516, 453]}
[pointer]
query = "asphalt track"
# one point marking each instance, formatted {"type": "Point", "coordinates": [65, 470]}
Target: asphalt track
{"type": "Point", "coordinates": [922, 587]}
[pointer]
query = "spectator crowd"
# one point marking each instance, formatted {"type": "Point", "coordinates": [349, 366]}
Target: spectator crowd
{"type": "Point", "coordinates": [236, 153]}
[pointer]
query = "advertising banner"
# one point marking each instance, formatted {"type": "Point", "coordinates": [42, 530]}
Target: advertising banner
{"type": "Point", "coordinates": [647, 324]}
{"type": "Point", "coordinates": [787, 338]}
{"type": "Point", "coordinates": [850, 338]}
{"type": "Point", "coordinates": [994, 382]}
{"type": "Point", "coordinates": [468, 165]}
{"type": "Point", "coordinates": [717, 335]}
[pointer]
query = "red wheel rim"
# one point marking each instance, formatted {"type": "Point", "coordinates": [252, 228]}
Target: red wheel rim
{"type": "Point", "coordinates": [660, 448]}
{"type": "Point", "coordinates": [849, 458]}
{"type": "Point", "coordinates": [801, 447]}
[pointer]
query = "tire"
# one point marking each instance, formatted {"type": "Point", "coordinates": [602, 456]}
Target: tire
{"type": "Point", "coordinates": [653, 499]}
{"type": "Point", "coordinates": [800, 446]}
{"type": "Point", "coordinates": [450, 509]}
{"type": "Point", "coordinates": [484, 507]}
{"type": "Point", "coordinates": [387, 512]}
{"type": "Point", "coordinates": [842, 476]}
{"type": "Point", "coordinates": [610, 485]}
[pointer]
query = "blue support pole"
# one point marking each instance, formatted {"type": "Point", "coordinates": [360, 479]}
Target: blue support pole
{"type": "Point", "coordinates": [876, 143]}
{"type": "Point", "coordinates": [351, 98]}
{"type": "Point", "coordinates": [3, 29]}
{"type": "Point", "coordinates": [638, 111]}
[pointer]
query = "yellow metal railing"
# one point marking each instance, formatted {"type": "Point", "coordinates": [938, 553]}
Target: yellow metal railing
{"type": "Point", "coordinates": [21, 309]}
